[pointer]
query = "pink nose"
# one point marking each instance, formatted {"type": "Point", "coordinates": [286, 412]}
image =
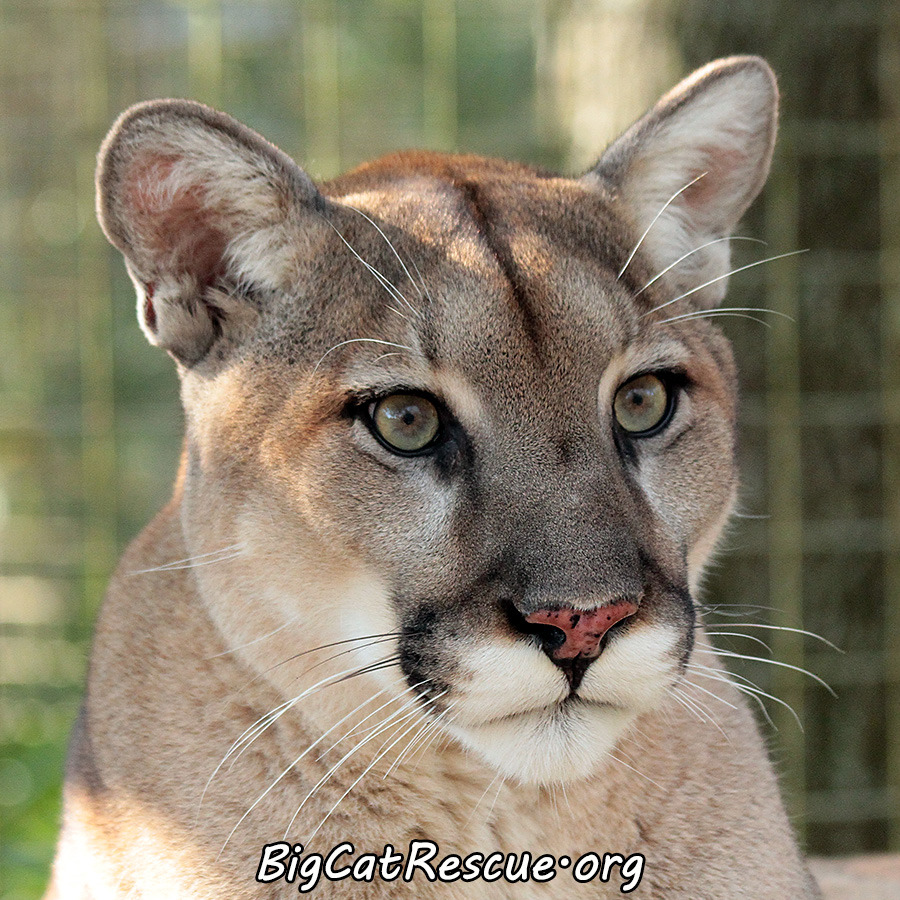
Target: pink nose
{"type": "Point", "coordinates": [583, 628]}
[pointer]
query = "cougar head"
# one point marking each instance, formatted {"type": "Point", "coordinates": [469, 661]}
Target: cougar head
{"type": "Point", "coordinates": [465, 416]}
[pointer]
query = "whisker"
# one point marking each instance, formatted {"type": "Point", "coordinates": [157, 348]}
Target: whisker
{"type": "Point", "coordinates": [387, 663]}
{"type": "Point", "coordinates": [358, 729]}
{"type": "Point", "coordinates": [362, 637]}
{"type": "Point", "coordinates": [711, 694]}
{"type": "Point", "coordinates": [655, 218]}
{"type": "Point", "coordinates": [382, 751]}
{"type": "Point", "coordinates": [701, 708]}
{"type": "Point", "coordinates": [677, 696]}
{"type": "Point", "coordinates": [774, 662]}
{"type": "Point", "coordinates": [190, 562]}
{"type": "Point", "coordinates": [393, 248]}
{"type": "Point", "coordinates": [681, 259]}
{"type": "Point", "coordinates": [395, 292]}
{"type": "Point", "coordinates": [725, 609]}
{"type": "Point", "coordinates": [426, 723]}
{"type": "Point", "coordinates": [716, 313]}
{"type": "Point", "coordinates": [264, 722]}
{"type": "Point", "coordinates": [289, 622]}
{"type": "Point", "coordinates": [633, 769]}
{"type": "Point", "coordinates": [811, 634]}
{"type": "Point", "coordinates": [328, 659]}
{"type": "Point", "coordinates": [384, 355]}
{"type": "Point", "coordinates": [706, 284]}
{"type": "Point", "coordinates": [496, 797]}
{"type": "Point", "coordinates": [294, 763]}
{"type": "Point", "coordinates": [748, 688]}
{"type": "Point", "coordinates": [484, 794]}
{"type": "Point", "coordinates": [400, 313]}
{"type": "Point", "coordinates": [359, 341]}
{"type": "Point", "coordinates": [437, 733]}
{"type": "Point", "coordinates": [733, 311]}
{"type": "Point", "coordinates": [393, 719]}
{"type": "Point", "coordinates": [748, 637]}
{"type": "Point", "coordinates": [426, 734]}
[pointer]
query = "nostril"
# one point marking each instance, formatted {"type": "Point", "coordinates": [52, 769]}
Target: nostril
{"type": "Point", "coordinates": [551, 637]}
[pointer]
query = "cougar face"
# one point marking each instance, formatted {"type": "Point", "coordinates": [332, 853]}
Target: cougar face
{"type": "Point", "coordinates": [440, 409]}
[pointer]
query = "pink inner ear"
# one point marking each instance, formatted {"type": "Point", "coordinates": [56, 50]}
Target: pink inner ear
{"type": "Point", "coordinates": [172, 224]}
{"type": "Point", "coordinates": [720, 166]}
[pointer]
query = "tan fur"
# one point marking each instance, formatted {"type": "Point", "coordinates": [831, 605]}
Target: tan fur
{"type": "Point", "coordinates": [503, 293]}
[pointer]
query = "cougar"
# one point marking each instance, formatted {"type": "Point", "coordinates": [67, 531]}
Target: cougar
{"type": "Point", "coordinates": [421, 617]}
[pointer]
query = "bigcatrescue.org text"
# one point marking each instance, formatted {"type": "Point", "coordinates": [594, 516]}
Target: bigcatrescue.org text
{"type": "Point", "coordinates": [282, 861]}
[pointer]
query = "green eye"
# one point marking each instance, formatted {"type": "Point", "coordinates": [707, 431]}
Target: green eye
{"type": "Point", "coordinates": [407, 423]}
{"type": "Point", "coordinates": [643, 405]}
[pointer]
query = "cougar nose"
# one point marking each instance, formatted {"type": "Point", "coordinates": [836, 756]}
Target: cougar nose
{"type": "Point", "coordinates": [568, 634]}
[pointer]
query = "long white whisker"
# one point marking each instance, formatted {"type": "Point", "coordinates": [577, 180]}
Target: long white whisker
{"type": "Point", "coordinates": [420, 737]}
{"type": "Point", "coordinates": [655, 218]}
{"type": "Point", "coordinates": [733, 634]}
{"type": "Point", "coordinates": [749, 689]}
{"type": "Point", "coordinates": [711, 693]}
{"type": "Point", "coordinates": [359, 341]}
{"type": "Point", "coordinates": [381, 753]}
{"type": "Point", "coordinates": [702, 708]}
{"type": "Point", "coordinates": [399, 312]}
{"type": "Point", "coordinates": [321, 737]}
{"type": "Point", "coordinates": [706, 284]}
{"type": "Point", "coordinates": [358, 729]}
{"type": "Point", "coordinates": [496, 797]}
{"type": "Point", "coordinates": [735, 312]}
{"type": "Point", "coordinates": [622, 762]}
{"type": "Point", "coordinates": [374, 642]}
{"type": "Point", "coordinates": [392, 720]}
{"type": "Point", "coordinates": [289, 622]}
{"type": "Point", "coordinates": [189, 562]}
{"type": "Point", "coordinates": [677, 695]}
{"type": "Point", "coordinates": [437, 733]}
{"type": "Point", "coordinates": [681, 259]}
{"type": "Point", "coordinates": [424, 724]}
{"type": "Point", "coordinates": [254, 731]}
{"type": "Point", "coordinates": [492, 782]}
{"type": "Point", "coordinates": [811, 634]}
{"type": "Point", "coordinates": [390, 288]}
{"type": "Point", "coordinates": [734, 609]}
{"type": "Point", "coordinates": [384, 356]}
{"type": "Point", "coordinates": [393, 248]}
{"type": "Point", "coordinates": [774, 662]}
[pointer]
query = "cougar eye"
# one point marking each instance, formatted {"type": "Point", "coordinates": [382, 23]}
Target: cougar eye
{"type": "Point", "coordinates": [643, 406]}
{"type": "Point", "coordinates": [406, 423]}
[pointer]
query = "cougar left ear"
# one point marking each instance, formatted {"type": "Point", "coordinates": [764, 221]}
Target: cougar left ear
{"type": "Point", "coordinates": [205, 212]}
{"type": "Point", "coordinates": [704, 149]}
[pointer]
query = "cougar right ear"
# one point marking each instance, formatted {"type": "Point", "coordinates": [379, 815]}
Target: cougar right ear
{"type": "Point", "coordinates": [208, 216]}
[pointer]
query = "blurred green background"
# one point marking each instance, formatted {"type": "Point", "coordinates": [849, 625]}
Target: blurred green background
{"type": "Point", "coordinates": [89, 419]}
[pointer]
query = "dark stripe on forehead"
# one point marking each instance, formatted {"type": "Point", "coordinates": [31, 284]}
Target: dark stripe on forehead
{"type": "Point", "coordinates": [521, 290]}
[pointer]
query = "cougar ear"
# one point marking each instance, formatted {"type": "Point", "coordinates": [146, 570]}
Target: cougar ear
{"type": "Point", "coordinates": [205, 212]}
{"type": "Point", "coordinates": [704, 150]}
